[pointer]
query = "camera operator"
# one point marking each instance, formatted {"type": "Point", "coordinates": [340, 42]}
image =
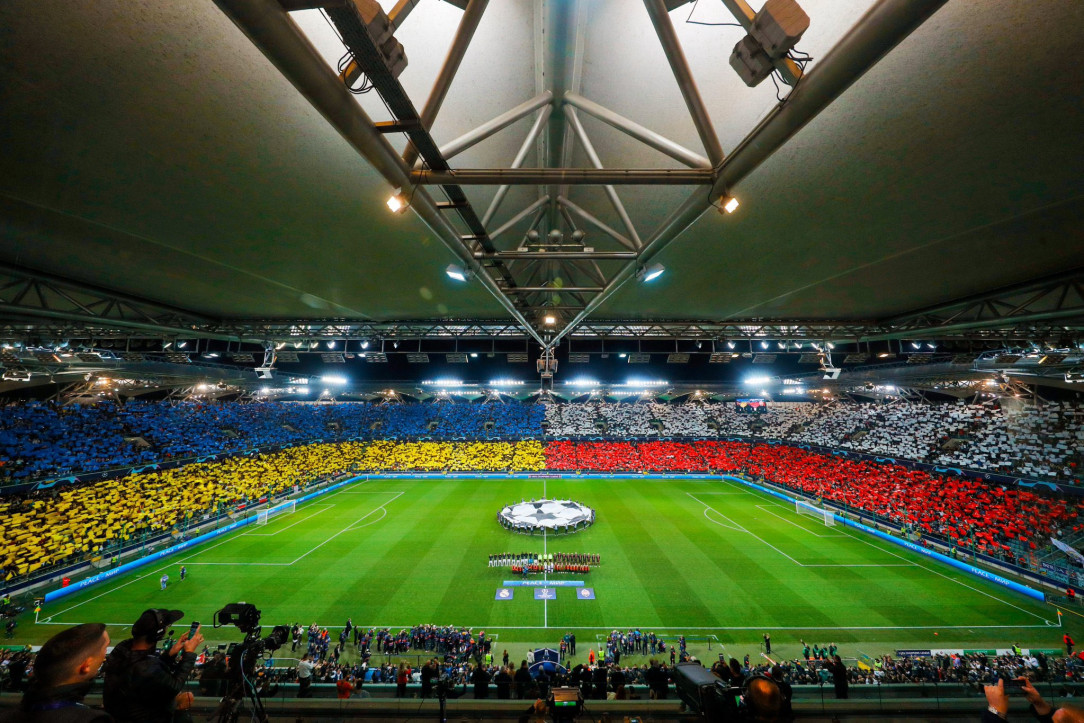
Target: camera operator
{"type": "Point", "coordinates": [142, 684]}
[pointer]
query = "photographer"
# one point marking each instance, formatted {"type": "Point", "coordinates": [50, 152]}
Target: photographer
{"type": "Point", "coordinates": [142, 684]}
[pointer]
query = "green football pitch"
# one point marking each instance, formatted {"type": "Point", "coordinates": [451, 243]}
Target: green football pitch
{"type": "Point", "coordinates": [713, 560]}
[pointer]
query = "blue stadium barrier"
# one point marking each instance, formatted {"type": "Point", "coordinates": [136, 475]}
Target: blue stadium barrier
{"type": "Point", "coordinates": [148, 559]}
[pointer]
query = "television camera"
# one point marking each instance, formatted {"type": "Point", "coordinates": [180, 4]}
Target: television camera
{"type": "Point", "coordinates": [241, 672]}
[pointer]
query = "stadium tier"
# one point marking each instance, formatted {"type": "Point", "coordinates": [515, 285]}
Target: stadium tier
{"type": "Point", "coordinates": [41, 440]}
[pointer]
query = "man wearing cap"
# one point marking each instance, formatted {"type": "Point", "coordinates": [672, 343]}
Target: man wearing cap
{"type": "Point", "coordinates": [142, 684]}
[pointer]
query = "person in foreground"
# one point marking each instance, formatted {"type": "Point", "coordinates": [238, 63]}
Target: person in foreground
{"type": "Point", "coordinates": [998, 705]}
{"type": "Point", "coordinates": [144, 685]}
{"type": "Point", "coordinates": [64, 670]}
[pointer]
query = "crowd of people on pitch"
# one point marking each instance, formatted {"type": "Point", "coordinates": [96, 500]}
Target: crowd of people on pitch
{"type": "Point", "coordinates": [550, 560]}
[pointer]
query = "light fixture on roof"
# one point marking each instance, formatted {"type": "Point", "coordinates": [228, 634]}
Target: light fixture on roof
{"type": "Point", "coordinates": [763, 345]}
{"type": "Point", "coordinates": [364, 343]}
{"type": "Point", "coordinates": [474, 355]}
{"type": "Point", "coordinates": [650, 273]}
{"type": "Point", "coordinates": [728, 204]}
{"type": "Point", "coordinates": [398, 202]}
{"type": "Point", "coordinates": [457, 272]}
{"type": "Point", "coordinates": [331, 345]}
{"type": "Point", "coordinates": [549, 319]}
{"type": "Point", "coordinates": [730, 345]}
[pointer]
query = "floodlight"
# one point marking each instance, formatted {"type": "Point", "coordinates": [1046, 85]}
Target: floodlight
{"type": "Point", "coordinates": [730, 345]}
{"type": "Point", "coordinates": [331, 345]}
{"type": "Point", "coordinates": [651, 272]}
{"type": "Point", "coordinates": [474, 355]}
{"type": "Point", "coordinates": [398, 202]}
{"type": "Point", "coordinates": [334, 379]}
{"type": "Point", "coordinates": [728, 204]}
{"type": "Point", "coordinates": [758, 380]}
{"type": "Point", "coordinates": [550, 319]}
{"type": "Point", "coordinates": [622, 355]}
{"type": "Point", "coordinates": [365, 344]}
{"type": "Point", "coordinates": [457, 272]}
{"type": "Point", "coordinates": [763, 345]}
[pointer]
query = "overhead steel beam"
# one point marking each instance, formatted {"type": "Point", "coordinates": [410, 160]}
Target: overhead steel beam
{"type": "Point", "coordinates": [644, 135]}
{"type": "Point", "coordinates": [571, 176]}
{"type": "Point", "coordinates": [521, 155]}
{"type": "Point", "coordinates": [626, 242]}
{"type": "Point", "coordinates": [592, 156]}
{"type": "Point", "coordinates": [1059, 297]}
{"type": "Point", "coordinates": [555, 289]}
{"type": "Point", "coordinates": [463, 35]}
{"type": "Point", "coordinates": [272, 31]}
{"type": "Point", "coordinates": [17, 325]}
{"type": "Point", "coordinates": [519, 217]}
{"type": "Point", "coordinates": [465, 141]}
{"type": "Point", "coordinates": [882, 28]}
{"type": "Point", "coordinates": [680, 67]}
{"type": "Point", "coordinates": [564, 255]}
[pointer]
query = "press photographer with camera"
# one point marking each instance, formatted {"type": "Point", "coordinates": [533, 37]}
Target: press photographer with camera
{"type": "Point", "coordinates": [142, 684]}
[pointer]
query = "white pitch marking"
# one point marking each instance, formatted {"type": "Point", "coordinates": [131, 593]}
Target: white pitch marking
{"type": "Point", "coordinates": [935, 572]}
{"type": "Point", "coordinates": [272, 534]}
{"type": "Point", "coordinates": [791, 522]}
{"type": "Point", "coordinates": [186, 560]}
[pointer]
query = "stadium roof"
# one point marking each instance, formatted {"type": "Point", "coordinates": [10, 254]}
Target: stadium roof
{"type": "Point", "coordinates": [173, 166]}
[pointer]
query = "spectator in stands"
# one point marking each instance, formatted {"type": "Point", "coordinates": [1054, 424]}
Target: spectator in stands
{"type": "Point", "coordinates": [998, 705]}
{"type": "Point", "coordinates": [838, 672]}
{"type": "Point", "coordinates": [64, 670]}
{"type": "Point", "coordinates": [143, 685]}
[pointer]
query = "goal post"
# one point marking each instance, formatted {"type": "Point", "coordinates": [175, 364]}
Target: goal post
{"type": "Point", "coordinates": [284, 508]}
{"type": "Point", "coordinates": [804, 508]}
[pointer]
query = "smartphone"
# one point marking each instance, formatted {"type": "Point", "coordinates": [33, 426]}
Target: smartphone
{"type": "Point", "coordinates": [193, 630]}
{"type": "Point", "coordinates": [1014, 683]}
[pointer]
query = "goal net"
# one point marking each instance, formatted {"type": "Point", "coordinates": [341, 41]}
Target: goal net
{"type": "Point", "coordinates": [286, 508]}
{"type": "Point", "coordinates": [804, 508]}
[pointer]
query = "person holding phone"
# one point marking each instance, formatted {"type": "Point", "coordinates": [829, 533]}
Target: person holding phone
{"type": "Point", "coordinates": [997, 699]}
{"type": "Point", "coordinates": [144, 685]}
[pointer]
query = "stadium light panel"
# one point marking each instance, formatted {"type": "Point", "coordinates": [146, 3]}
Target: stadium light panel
{"type": "Point", "coordinates": [334, 379]}
{"type": "Point", "coordinates": [652, 272]}
{"type": "Point", "coordinates": [398, 202]}
{"type": "Point", "coordinates": [550, 319]}
{"type": "Point", "coordinates": [474, 355]}
{"type": "Point", "coordinates": [757, 380]}
{"type": "Point", "coordinates": [730, 345]}
{"type": "Point", "coordinates": [729, 204]}
{"type": "Point", "coordinates": [457, 272]}
{"type": "Point", "coordinates": [763, 345]}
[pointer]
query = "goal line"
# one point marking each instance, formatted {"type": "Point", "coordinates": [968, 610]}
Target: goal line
{"type": "Point", "coordinates": [804, 508]}
{"type": "Point", "coordinates": [285, 508]}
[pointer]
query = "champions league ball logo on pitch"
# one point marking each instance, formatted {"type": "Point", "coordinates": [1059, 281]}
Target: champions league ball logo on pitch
{"type": "Point", "coordinates": [559, 516]}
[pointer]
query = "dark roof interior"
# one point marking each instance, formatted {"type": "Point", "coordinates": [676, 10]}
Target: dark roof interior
{"type": "Point", "coordinates": [150, 148]}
